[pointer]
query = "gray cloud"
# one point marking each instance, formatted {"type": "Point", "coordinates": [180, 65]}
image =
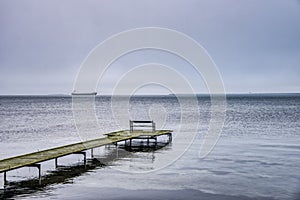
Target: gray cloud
{"type": "Point", "coordinates": [256, 44]}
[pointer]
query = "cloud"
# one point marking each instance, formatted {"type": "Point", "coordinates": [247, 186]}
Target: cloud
{"type": "Point", "coordinates": [50, 39]}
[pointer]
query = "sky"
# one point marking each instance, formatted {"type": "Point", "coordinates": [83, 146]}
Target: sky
{"type": "Point", "coordinates": [255, 44]}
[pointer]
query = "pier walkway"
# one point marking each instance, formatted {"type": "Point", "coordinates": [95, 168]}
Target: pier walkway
{"type": "Point", "coordinates": [33, 159]}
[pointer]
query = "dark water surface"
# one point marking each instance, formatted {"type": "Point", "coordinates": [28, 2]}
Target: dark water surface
{"type": "Point", "coordinates": [257, 156]}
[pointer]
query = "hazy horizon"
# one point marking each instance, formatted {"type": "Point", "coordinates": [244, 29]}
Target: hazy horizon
{"type": "Point", "coordinates": [161, 94]}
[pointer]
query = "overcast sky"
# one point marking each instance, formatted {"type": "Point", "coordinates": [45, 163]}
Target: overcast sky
{"type": "Point", "coordinates": [254, 43]}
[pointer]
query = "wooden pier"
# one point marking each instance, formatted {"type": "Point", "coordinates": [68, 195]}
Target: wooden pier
{"type": "Point", "coordinates": [34, 159]}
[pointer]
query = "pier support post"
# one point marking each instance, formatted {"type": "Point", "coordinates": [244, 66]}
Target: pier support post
{"type": "Point", "coordinates": [170, 137]}
{"type": "Point", "coordinates": [117, 150]}
{"type": "Point", "coordinates": [5, 180]}
{"type": "Point", "coordinates": [92, 152]}
{"type": "Point", "coordinates": [40, 174]}
{"type": "Point", "coordinates": [56, 165]}
{"type": "Point", "coordinates": [84, 156]}
{"type": "Point", "coordinates": [39, 168]}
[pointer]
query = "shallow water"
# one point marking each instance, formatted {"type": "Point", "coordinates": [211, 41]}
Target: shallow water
{"type": "Point", "coordinates": [257, 155]}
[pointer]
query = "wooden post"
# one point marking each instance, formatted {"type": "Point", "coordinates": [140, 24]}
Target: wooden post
{"type": "Point", "coordinates": [40, 174]}
{"type": "Point", "coordinates": [117, 150]}
{"type": "Point", "coordinates": [84, 156]}
{"type": "Point", "coordinates": [92, 152]}
{"type": "Point", "coordinates": [5, 181]}
{"type": "Point", "coordinates": [170, 137]}
{"type": "Point", "coordinates": [37, 165]}
{"type": "Point", "coordinates": [56, 165]}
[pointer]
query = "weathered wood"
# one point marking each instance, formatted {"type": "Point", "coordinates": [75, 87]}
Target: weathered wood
{"type": "Point", "coordinates": [54, 153]}
{"type": "Point", "coordinates": [143, 124]}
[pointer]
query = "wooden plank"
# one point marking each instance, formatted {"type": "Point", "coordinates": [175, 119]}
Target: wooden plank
{"type": "Point", "coordinates": [136, 121]}
{"type": "Point", "coordinates": [48, 154]}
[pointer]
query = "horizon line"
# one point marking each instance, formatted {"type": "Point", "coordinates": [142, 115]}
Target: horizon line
{"type": "Point", "coordinates": [159, 94]}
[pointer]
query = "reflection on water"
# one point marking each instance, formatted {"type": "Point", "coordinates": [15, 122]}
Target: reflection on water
{"type": "Point", "coordinates": [66, 174]}
{"type": "Point", "coordinates": [61, 175]}
{"type": "Point", "coordinates": [257, 155]}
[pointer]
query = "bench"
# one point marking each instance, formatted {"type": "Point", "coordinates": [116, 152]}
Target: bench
{"type": "Point", "coordinates": [141, 124]}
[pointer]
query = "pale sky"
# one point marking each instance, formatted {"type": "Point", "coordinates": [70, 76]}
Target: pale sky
{"type": "Point", "coordinates": [254, 43]}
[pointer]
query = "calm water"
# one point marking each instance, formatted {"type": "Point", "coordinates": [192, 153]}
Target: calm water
{"type": "Point", "coordinates": [257, 156]}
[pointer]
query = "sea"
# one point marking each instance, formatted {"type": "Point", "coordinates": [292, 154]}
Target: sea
{"type": "Point", "coordinates": [256, 155]}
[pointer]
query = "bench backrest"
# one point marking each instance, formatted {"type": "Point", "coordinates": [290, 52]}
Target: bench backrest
{"type": "Point", "coordinates": [141, 124]}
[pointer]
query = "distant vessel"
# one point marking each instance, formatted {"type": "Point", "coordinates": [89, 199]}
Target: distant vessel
{"type": "Point", "coordinates": [84, 93]}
